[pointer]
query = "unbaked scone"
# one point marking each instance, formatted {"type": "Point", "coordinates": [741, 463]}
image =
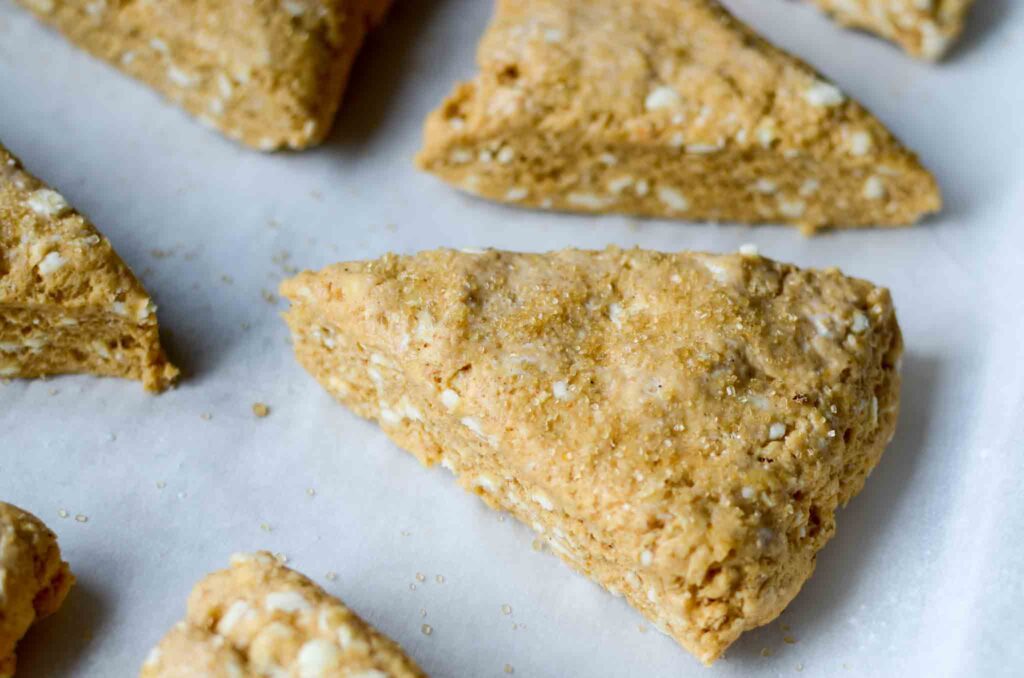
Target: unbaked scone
{"type": "Point", "coordinates": [678, 427]}
{"type": "Point", "coordinates": [68, 304]}
{"type": "Point", "coordinates": [665, 108]}
{"type": "Point", "coordinates": [33, 579]}
{"type": "Point", "coordinates": [268, 73]}
{"type": "Point", "coordinates": [924, 28]}
{"type": "Point", "coordinates": [259, 618]}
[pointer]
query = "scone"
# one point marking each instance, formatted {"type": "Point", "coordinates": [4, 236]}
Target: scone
{"type": "Point", "coordinates": [259, 618]}
{"type": "Point", "coordinates": [678, 427]}
{"type": "Point", "coordinates": [67, 301]}
{"type": "Point", "coordinates": [665, 108]}
{"type": "Point", "coordinates": [924, 28]}
{"type": "Point", "coordinates": [33, 579]}
{"type": "Point", "coordinates": [268, 73]}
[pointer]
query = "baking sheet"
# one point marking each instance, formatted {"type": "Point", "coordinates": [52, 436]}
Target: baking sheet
{"type": "Point", "coordinates": [923, 577]}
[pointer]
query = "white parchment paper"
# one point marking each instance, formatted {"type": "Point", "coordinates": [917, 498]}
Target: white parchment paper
{"type": "Point", "coordinates": [924, 577]}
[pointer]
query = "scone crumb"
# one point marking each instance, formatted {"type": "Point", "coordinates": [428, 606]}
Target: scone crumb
{"type": "Point", "coordinates": [260, 410]}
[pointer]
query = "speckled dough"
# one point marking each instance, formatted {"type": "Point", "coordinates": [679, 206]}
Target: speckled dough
{"type": "Point", "coordinates": [67, 301]}
{"type": "Point", "coordinates": [33, 579]}
{"type": "Point", "coordinates": [924, 28]}
{"type": "Point", "coordinates": [260, 618]}
{"type": "Point", "coordinates": [678, 427]}
{"type": "Point", "coordinates": [269, 73]}
{"type": "Point", "coordinates": [665, 108]}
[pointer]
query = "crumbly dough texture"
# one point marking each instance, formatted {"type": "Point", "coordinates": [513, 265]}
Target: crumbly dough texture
{"type": "Point", "coordinates": [665, 108]}
{"type": "Point", "coordinates": [33, 579]}
{"type": "Point", "coordinates": [678, 427]}
{"type": "Point", "coordinates": [259, 618]}
{"type": "Point", "coordinates": [268, 73]}
{"type": "Point", "coordinates": [67, 301]}
{"type": "Point", "coordinates": [924, 28]}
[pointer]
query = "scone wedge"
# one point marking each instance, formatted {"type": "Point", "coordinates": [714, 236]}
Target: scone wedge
{"type": "Point", "coordinates": [665, 108]}
{"type": "Point", "coordinates": [678, 427]}
{"type": "Point", "coordinates": [68, 304]}
{"type": "Point", "coordinates": [33, 579]}
{"type": "Point", "coordinates": [267, 73]}
{"type": "Point", "coordinates": [924, 28]}
{"type": "Point", "coordinates": [260, 618]}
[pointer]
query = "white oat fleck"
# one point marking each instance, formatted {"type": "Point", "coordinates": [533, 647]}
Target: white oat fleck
{"type": "Point", "coordinates": [662, 97]}
{"type": "Point", "coordinates": [589, 200]}
{"type": "Point", "coordinates": [860, 143]}
{"type": "Point", "coordinates": [48, 203]}
{"type": "Point", "coordinates": [51, 262]}
{"type": "Point", "coordinates": [794, 209]}
{"type": "Point", "coordinates": [673, 199]}
{"type": "Point", "coordinates": [560, 390]}
{"type": "Point", "coordinates": [874, 189]}
{"type": "Point", "coordinates": [516, 194]}
{"type": "Point", "coordinates": [776, 431]}
{"type": "Point", "coordinates": [824, 94]}
{"type": "Point", "coordinates": [450, 399]}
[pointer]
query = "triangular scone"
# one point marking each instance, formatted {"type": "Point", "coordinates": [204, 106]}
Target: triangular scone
{"type": "Point", "coordinates": [33, 579]}
{"type": "Point", "coordinates": [68, 304]}
{"type": "Point", "coordinates": [924, 28]}
{"type": "Point", "coordinates": [667, 108]}
{"type": "Point", "coordinates": [260, 618]}
{"type": "Point", "coordinates": [269, 74]}
{"type": "Point", "coordinates": [679, 427]}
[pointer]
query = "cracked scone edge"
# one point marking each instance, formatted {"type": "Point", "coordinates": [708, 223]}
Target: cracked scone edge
{"type": "Point", "coordinates": [394, 340]}
{"type": "Point", "coordinates": [68, 303]}
{"type": "Point", "coordinates": [598, 106]}
{"type": "Point", "coordinates": [925, 30]}
{"type": "Point", "coordinates": [268, 74]}
{"type": "Point", "coordinates": [259, 617]}
{"type": "Point", "coordinates": [33, 579]}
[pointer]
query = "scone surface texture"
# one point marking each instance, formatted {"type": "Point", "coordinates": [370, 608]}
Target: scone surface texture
{"type": "Point", "coordinates": [68, 303]}
{"type": "Point", "coordinates": [678, 427]}
{"type": "Point", "coordinates": [267, 73]}
{"type": "Point", "coordinates": [260, 618]}
{"type": "Point", "coordinates": [33, 579]}
{"type": "Point", "coordinates": [665, 108]}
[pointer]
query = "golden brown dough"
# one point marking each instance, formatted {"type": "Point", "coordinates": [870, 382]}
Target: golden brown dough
{"type": "Point", "coordinates": [33, 579]}
{"type": "Point", "coordinates": [268, 73]}
{"type": "Point", "coordinates": [665, 108]}
{"type": "Point", "coordinates": [259, 618]}
{"type": "Point", "coordinates": [678, 427]}
{"type": "Point", "coordinates": [924, 28]}
{"type": "Point", "coordinates": [67, 301]}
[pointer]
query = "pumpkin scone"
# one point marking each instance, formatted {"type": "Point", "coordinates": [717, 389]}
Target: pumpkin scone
{"type": "Point", "coordinates": [33, 579]}
{"type": "Point", "coordinates": [267, 73]}
{"type": "Point", "coordinates": [259, 618]}
{"type": "Point", "coordinates": [68, 304]}
{"type": "Point", "coordinates": [665, 108]}
{"type": "Point", "coordinates": [679, 427]}
{"type": "Point", "coordinates": [924, 28]}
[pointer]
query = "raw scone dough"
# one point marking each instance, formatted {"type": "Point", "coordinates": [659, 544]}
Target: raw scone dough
{"type": "Point", "coordinates": [924, 28]}
{"type": "Point", "coordinates": [678, 427]}
{"type": "Point", "coordinates": [264, 72]}
{"type": "Point", "coordinates": [665, 108]}
{"type": "Point", "coordinates": [33, 579]}
{"type": "Point", "coordinates": [67, 301]}
{"type": "Point", "coordinates": [259, 618]}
